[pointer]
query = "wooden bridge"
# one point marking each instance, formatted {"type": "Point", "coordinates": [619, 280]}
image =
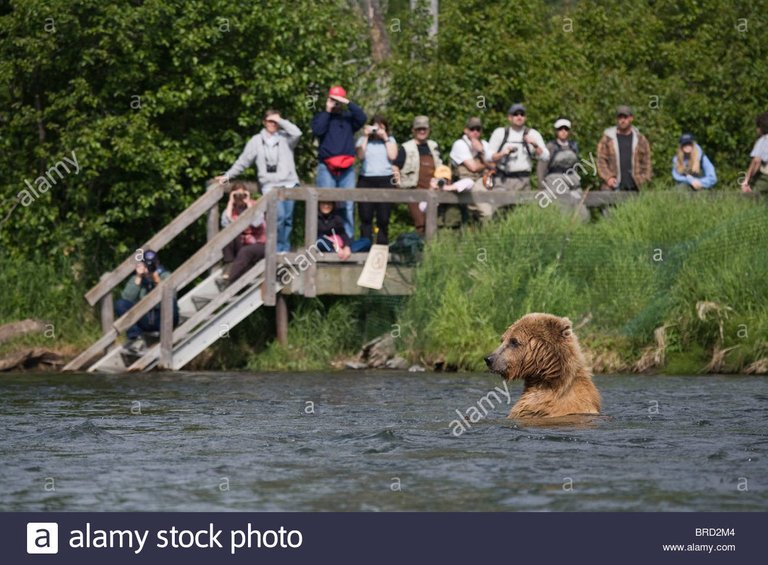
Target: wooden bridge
{"type": "Point", "coordinates": [207, 314]}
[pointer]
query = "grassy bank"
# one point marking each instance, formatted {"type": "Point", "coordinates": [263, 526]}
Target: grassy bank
{"type": "Point", "coordinates": [50, 290]}
{"type": "Point", "coordinates": [665, 281]}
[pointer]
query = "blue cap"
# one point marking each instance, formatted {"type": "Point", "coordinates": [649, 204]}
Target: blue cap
{"type": "Point", "coordinates": [150, 255]}
{"type": "Point", "coordinates": [516, 108]}
{"type": "Point", "coordinates": [686, 138]}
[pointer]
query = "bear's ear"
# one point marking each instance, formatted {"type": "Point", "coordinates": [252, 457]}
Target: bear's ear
{"type": "Point", "coordinates": [566, 327]}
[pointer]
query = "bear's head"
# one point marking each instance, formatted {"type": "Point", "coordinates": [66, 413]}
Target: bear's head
{"type": "Point", "coordinates": [537, 348]}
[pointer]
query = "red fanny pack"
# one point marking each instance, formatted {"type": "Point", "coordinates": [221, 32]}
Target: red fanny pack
{"type": "Point", "coordinates": [338, 163]}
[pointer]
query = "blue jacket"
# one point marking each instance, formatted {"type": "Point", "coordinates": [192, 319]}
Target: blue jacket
{"type": "Point", "coordinates": [336, 131]}
{"type": "Point", "coordinates": [708, 176]}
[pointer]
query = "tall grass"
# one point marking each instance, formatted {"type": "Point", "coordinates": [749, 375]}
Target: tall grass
{"type": "Point", "coordinates": [647, 265]}
{"type": "Point", "coordinates": [51, 290]}
{"type": "Point", "coordinates": [323, 331]}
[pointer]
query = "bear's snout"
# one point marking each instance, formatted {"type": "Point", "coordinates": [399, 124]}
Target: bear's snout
{"type": "Point", "coordinates": [489, 359]}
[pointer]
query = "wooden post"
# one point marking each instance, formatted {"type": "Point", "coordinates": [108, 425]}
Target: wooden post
{"type": "Point", "coordinates": [281, 319]}
{"type": "Point", "coordinates": [431, 221]}
{"type": "Point", "coordinates": [107, 310]}
{"type": "Point", "coordinates": [310, 237]}
{"type": "Point", "coordinates": [270, 273]}
{"type": "Point", "coordinates": [166, 327]}
{"type": "Point", "coordinates": [212, 227]}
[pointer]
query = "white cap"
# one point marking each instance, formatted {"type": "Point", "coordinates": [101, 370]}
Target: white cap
{"type": "Point", "coordinates": [562, 122]}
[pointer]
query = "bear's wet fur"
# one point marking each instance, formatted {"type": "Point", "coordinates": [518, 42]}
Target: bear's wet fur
{"type": "Point", "coordinates": [543, 351]}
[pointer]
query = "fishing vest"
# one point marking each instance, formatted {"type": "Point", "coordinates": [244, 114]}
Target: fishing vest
{"type": "Point", "coordinates": [562, 158]}
{"type": "Point", "coordinates": [409, 174]}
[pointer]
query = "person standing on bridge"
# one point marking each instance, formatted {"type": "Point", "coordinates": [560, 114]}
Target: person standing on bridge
{"type": "Point", "coordinates": [416, 162]}
{"type": "Point", "coordinates": [335, 128]}
{"type": "Point", "coordinates": [624, 155]}
{"type": "Point", "coordinates": [376, 149]}
{"type": "Point", "coordinates": [272, 151]}
{"type": "Point", "coordinates": [149, 273]}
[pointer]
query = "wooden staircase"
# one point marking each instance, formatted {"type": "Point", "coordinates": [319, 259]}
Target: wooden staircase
{"type": "Point", "coordinates": [206, 313]}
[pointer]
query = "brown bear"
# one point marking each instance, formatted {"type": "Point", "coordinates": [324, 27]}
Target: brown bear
{"type": "Point", "coordinates": [542, 350]}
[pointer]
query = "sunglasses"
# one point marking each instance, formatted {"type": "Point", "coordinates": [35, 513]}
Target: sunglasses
{"type": "Point", "coordinates": [622, 116]}
{"type": "Point", "coordinates": [519, 114]}
{"type": "Point", "coordinates": [476, 128]}
{"type": "Point", "coordinates": [566, 128]}
{"type": "Point", "coordinates": [420, 129]}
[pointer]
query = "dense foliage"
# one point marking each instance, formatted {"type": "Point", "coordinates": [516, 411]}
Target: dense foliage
{"type": "Point", "coordinates": [693, 266]}
{"type": "Point", "coordinates": [155, 97]}
{"type": "Point", "coordinates": [152, 98]}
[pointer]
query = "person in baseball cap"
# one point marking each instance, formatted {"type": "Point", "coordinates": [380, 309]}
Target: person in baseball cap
{"type": "Point", "coordinates": [335, 131]}
{"type": "Point", "coordinates": [339, 94]}
{"type": "Point", "coordinates": [624, 154]}
{"type": "Point", "coordinates": [416, 161]}
{"type": "Point", "coordinates": [691, 169]}
{"type": "Point", "coordinates": [559, 178]}
{"type": "Point", "coordinates": [515, 148]}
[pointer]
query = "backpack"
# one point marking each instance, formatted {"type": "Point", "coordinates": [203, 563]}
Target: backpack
{"type": "Point", "coordinates": [503, 163]}
{"type": "Point", "coordinates": [408, 246]}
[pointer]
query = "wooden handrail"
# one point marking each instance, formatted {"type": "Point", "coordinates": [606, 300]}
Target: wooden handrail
{"type": "Point", "coordinates": [157, 242]}
{"type": "Point", "coordinates": [205, 257]}
{"type": "Point", "coordinates": [399, 196]}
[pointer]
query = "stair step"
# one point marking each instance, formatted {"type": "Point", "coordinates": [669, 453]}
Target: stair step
{"type": "Point", "coordinates": [112, 362]}
{"type": "Point", "coordinates": [199, 301]}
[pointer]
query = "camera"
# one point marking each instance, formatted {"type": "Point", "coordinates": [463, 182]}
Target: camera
{"type": "Point", "coordinates": [151, 264]}
{"type": "Point", "coordinates": [512, 150]}
{"type": "Point", "coordinates": [440, 183]}
{"type": "Point", "coordinates": [271, 168]}
{"type": "Point", "coordinates": [239, 196]}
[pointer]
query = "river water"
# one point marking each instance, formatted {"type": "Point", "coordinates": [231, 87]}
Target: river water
{"type": "Point", "coordinates": [367, 441]}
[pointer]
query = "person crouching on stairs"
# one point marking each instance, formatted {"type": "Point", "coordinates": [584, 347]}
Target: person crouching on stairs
{"type": "Point", "coordinates": [249, 247]}
{"type": "Point", "coordinates": [149, 273]}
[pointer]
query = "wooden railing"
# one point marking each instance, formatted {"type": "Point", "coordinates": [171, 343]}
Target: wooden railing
{"type": "Point", "coordinates": [208, 255]}
{"type": "Point", "coordinates": [165, 292]}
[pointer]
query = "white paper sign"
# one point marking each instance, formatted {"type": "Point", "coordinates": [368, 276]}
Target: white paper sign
{"type": "Point", "coordinates": [375, 268]}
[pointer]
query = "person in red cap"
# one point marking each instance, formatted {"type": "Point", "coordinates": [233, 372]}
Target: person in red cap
{"type": "Point", "coordinates": [335, 128]}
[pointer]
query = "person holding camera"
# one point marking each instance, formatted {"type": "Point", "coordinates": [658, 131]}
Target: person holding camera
{"type": "Point", "coordinates": [376, 149]}
{"type": "Point", "coordinates": [272, 150]}
{"type": "Point", "coordinates": [249, 247]}
{"type": "Point", "coordinates": [334, 129]}
{"type": "Point", "coordinates": [149, 272]}
{"type": "Point", "coordinates": [515, 148]}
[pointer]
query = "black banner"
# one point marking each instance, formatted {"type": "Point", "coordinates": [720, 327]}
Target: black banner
{"type": "Point", "coordinates": [374, 538]}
